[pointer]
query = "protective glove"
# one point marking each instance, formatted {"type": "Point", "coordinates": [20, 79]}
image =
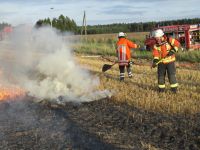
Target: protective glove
{"type": "Point", "coordinates": [130, 62]}
{"type": "Point", "coordinates": [155, 61]}
{"type": "Point", "coordinates": [171, 52]}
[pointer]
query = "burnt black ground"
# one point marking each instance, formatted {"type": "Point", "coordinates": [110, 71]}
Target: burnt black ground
{"type": "Point", "coordinates": [95, 125]}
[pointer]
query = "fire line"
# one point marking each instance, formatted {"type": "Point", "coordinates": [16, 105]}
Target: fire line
{"type": "Point", "coordinates": [11, 93]}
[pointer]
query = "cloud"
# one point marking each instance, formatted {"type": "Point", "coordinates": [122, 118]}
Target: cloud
{"type": "Point", "coordinates": [16, 12]}
{"type": "Point", "coordinates": [124, 10]}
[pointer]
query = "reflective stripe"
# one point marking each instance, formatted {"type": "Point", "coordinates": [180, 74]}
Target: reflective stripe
{"type": "Point", "coordinates": [161, 86]}
{"type": "Point", "coordinates": [122, 74]}
{"type": "Point", "coordinates": [174, 85]}
{"type": "Point", "coordinates": [122, 53]}
{"type": "Point", "coordinates": [159, 48]}
{"type": "Point", "coordinates": [173, 40]}
{"type": "Point", "coordinates": [156, 57]}
{"type": "Point", "coordinates": [130, 73]}
{"type": "Point", "coordinates": [168, 47]}
{"type": "Point", "coordinates": [176, 48]}
{"type": "Point", "coordinates": [123, 63]}
{"type": "Point", "coordinates": [155, 47]}
{"type": "Point", "coordinates": [172, 43]}
{"type": "Point", "coordinates": [168, 59]}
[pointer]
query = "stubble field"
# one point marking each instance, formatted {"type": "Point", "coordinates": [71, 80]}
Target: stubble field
{"type": "Point", "coordinates": [141, 90]}
{"type": "Point", "coordinates": [135, 117]}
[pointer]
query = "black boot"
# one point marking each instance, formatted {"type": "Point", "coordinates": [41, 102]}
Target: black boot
{"type": "Point", "coordinates": [174, 90]}
{"type": "Point", "coordinates": [130, 75]}
{"type": "Point", "coordinates": [161, 90]}
{"type": "Point", "coordinates": [121, 79]}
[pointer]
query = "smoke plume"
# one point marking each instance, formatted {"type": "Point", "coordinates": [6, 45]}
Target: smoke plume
{"type": "Point", "coordinates": [41, 61]}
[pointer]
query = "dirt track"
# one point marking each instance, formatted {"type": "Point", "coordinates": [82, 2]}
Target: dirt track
{"type": "Point", "coordinates": [97, 125]}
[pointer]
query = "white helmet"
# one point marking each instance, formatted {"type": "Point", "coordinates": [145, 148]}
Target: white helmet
{"type": "Point", "coordinates": [158, 33]}
{"type": "Point", "coordinates": [121, 34]}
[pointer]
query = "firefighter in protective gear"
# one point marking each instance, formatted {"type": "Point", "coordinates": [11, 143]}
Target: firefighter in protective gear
{"type": "Point", "coordinates": [164, 58]}
{"type": "Point", "coordinates": [124, 55]}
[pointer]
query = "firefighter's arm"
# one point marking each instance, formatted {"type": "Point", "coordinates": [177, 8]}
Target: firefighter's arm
{"type": "Point", "coordinates": [155, 63]}
{"type": "Point", "coordinates": [175, 45]}
{"type": "Point", "coordinates": [116, 52]}
{"type": "Point", "coordinates": [117, 49]}
{"type": "Point", "coordinates": [131, 44]}
{"type": "Point", "coordinates": [155, 57]}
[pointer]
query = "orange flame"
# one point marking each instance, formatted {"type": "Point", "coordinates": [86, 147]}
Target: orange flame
{"type": "Point", "coordinates": [10, 93]}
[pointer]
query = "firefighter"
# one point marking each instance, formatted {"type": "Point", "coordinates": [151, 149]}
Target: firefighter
{"type": "Point", "coordinates": [164, 58]}
{"type": "Point", "coordinates": [124, 55]}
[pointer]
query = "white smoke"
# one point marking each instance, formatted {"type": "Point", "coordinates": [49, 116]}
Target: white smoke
{"type": "Point", "coordinates": [42, 63]}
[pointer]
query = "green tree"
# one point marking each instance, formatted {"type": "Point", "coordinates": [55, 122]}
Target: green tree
{"type": "Point", "coordinates": [61, 23]}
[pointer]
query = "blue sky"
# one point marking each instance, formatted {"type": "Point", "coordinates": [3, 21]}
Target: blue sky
{"type": "Point", "coordinates": [97, 11]}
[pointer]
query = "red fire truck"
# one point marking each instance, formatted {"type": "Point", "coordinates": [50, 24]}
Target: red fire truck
{"type": "Point", "coordinates": [187, 35]}
{"type": "Point", "coordinates": [5, 32]}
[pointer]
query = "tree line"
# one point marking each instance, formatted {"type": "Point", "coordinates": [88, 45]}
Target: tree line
{"type": "Point", "coordinates": [2, 25]}
{"type": "Point", "coordinates": [62, 23]}
{"type": "Point", "coordinates": [137, 27]}
{"type": "Point", "coordinates": [67, 24]}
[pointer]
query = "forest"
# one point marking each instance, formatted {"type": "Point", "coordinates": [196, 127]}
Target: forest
{"type": "Point", "coordinates": [65, 24]}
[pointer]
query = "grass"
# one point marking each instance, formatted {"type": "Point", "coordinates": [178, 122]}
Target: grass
{"type": "Point", "coordinates": [140, 91]}
{"type": "Point", "coordinates": [105, 45]}
{"type": "Point", "coordinates": [191, 56]}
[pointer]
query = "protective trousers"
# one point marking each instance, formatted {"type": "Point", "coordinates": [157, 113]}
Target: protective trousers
{"type": "Point", "coordinates": [122, 71]}
{"type": "Point", "coordinates": [171, 72]}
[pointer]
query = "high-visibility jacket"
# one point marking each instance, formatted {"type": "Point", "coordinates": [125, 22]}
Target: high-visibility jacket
{"type": "Point", "coordinates": [123, 50]}
{"type": "Point", "coordinates": [161, 51]}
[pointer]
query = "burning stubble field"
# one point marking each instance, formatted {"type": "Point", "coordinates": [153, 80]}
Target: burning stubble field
{"type": "Point", "coordinates": [113, 115]}
{"type": "Point", "coordinates": [134, 117]}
